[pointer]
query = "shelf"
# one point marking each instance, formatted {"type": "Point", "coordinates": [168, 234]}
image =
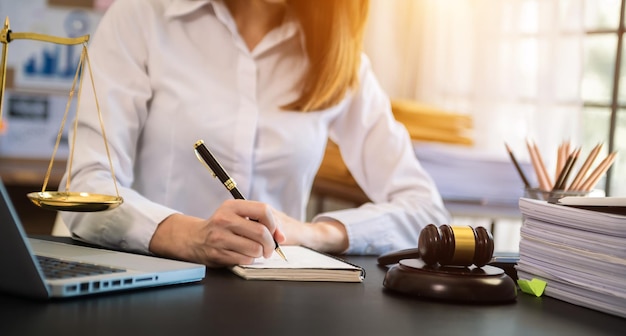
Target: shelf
{"type": "Point", "coordinates": [30, 172]}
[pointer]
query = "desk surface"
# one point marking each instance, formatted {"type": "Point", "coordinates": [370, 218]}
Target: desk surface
{"type": "Point", "coordinates": [225, 304]}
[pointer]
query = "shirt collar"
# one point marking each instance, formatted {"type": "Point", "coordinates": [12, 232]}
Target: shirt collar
{"type": "Point", "coordinates": [180, 8]}
{"type": "Point", "coordinates": [184, 7]}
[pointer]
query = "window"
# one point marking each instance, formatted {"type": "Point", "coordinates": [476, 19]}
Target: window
{"type": "Point", "coordinates": [548, 70]}
{"type": "Point", "coordinates": [603, 86]}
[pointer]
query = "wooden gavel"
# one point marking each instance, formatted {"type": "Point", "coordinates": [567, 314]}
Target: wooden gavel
{"type": "Point", "coordinates": [448, 246]}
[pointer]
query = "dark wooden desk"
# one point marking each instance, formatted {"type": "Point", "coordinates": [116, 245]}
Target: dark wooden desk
{"type": "Point", "coordinates": [223, 304]}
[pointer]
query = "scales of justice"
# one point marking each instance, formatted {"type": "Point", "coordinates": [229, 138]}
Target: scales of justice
{"type": "Point", "coordinates": [63, 200]}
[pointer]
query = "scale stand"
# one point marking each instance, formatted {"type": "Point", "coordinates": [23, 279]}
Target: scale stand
{"type": "Point", "coordinates": [63, 200]}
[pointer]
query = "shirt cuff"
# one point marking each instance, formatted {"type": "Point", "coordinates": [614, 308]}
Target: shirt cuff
{"type": "Point", "coordinates": [366, 234]}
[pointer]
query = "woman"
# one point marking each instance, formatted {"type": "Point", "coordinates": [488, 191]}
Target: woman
{"type": "Point", "coordinates": [264, 84]}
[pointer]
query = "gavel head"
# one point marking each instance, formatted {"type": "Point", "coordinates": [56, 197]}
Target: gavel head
{"type": "Point", "coordinates": [455, 245]}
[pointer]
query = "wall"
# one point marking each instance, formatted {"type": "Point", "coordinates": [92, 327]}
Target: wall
{"type": "Point", "coordinates": [38, 81]}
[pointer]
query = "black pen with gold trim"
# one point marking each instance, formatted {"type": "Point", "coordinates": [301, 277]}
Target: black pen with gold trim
{"type": "Point", "coordinates": [205, 156]}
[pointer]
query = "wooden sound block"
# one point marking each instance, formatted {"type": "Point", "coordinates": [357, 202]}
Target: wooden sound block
{"type": "Point", "coordinates": [480, 285]}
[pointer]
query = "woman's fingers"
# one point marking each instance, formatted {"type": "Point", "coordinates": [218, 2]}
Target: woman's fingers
{"type": "Point", "coordinates": [233, 229]}
{"type": "Point", "coordinates": [228, 237]}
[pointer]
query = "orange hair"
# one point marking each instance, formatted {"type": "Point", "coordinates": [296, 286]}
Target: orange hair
{"type": "Point", "coordinates": [333, 31]}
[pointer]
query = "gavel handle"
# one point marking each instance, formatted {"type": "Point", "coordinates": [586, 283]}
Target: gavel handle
{"type": "Point", "coordinates": [395, 256]}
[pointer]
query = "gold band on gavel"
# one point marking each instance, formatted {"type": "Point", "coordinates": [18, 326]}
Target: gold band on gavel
{"type": "Point", "coordinates": [465, 245]}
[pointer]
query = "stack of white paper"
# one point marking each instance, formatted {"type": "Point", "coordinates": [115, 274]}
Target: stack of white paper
{"type": "Point", "coordinates": [580, 253]}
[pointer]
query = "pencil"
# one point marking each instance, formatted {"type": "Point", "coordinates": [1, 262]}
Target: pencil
{"type": "Point", "coordinates": [593, 179]}
{"type": "Point", "coordinates": [560, 160]}
{"type": "Point", "coordinates": [567, 169]}
{"type": "Point", "coordinates": [541, 177]}
{"type": "Point", "coordinates": [517, 166]}
{"type": "Point", "coordinates": [543, 166]}
{"type": "Point", "coordinates": [582, 172]}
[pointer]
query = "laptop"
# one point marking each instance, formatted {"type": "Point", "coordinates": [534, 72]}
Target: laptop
{"type": "Point", "coordinates": [47, 269]}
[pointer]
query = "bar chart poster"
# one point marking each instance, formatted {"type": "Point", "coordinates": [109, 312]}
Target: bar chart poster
{"type": "Point", "coordinates": [44, 65]}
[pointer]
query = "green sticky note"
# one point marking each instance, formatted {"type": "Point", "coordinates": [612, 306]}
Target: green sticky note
{"type": "Point", "coordinates": [534, 286]}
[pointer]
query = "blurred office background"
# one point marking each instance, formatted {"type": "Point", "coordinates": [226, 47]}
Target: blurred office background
{"type": "Point", "coordinates": [465, 76]}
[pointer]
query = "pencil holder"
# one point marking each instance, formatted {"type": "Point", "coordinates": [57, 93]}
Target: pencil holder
{"type": "Point", "coordinates": [552, 195]}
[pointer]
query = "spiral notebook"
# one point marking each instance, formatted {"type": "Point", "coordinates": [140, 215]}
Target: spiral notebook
{"type": "Point", "coordinates": [303, 264]}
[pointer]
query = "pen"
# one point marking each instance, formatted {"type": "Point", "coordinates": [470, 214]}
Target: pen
{"type": "Point", "coordinates": [205, 156]}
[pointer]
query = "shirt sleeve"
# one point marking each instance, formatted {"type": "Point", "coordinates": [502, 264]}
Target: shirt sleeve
{"type": "Point", "coordinates": [117, 56]}
{"type": "Point", "coordinates": [378, 152]}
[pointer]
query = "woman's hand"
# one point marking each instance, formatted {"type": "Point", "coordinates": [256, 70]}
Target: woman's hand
{"type": "Point", "coordinates": [228, 237]}
{"type": "Point", "coordinates": [326, 236]}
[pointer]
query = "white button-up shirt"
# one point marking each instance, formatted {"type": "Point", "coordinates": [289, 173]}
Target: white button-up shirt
{"type": "Point", "coordinates": [170, 72]}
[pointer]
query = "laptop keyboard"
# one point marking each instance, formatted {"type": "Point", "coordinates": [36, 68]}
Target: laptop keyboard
{"type": "Point", "coordinates": [54, 268]}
